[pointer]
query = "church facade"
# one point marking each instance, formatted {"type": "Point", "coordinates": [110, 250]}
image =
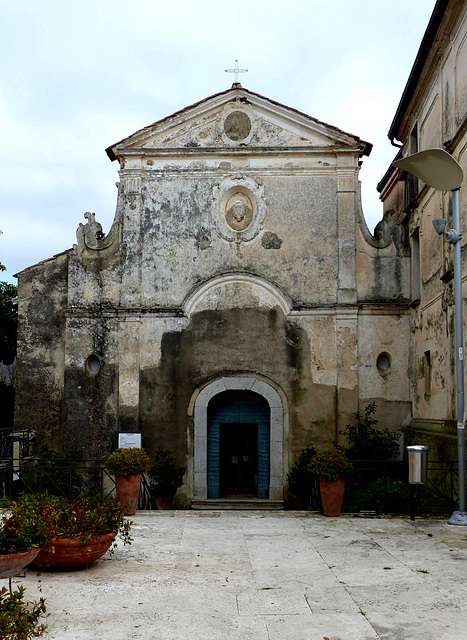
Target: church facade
{"type": "Point", "coordinates": [237, 310]}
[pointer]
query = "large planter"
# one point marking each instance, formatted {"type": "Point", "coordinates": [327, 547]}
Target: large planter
{"type": "Point", "coordinates": [127, 488]}
{"type": "Point", "coordinates": [332, 496]}
{"type": "Point", "coordinates": [71, 553]}
{"type": "Point", "coordinates": [13, 563]}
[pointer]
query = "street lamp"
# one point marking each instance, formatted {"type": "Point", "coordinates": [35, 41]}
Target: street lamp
{"type": "Point", "coordinates": [439, 170]}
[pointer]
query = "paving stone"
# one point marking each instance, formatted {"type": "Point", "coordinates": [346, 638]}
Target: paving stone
{"type": "Point", "coordinates": [265, 576]}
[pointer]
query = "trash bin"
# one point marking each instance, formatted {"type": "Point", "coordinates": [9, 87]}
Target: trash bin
{"type": "Point", "coordinates": [418, 462]}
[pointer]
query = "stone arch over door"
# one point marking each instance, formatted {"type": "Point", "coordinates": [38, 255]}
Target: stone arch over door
{"type": "Point", "coordinates": [277, 430]}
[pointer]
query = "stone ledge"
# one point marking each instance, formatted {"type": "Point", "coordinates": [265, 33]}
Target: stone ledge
{"type": "Point", "coordinates": [240, 504]}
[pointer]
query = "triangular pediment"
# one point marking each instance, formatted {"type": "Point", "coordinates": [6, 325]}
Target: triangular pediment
{"type": "Point", "coordinates": [237, 117]}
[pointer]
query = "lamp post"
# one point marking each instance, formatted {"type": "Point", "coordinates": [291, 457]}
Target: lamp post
{"type": "Point", "coordinates": [439, 170]}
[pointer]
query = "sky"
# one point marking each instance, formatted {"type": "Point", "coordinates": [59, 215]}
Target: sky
{"type": "Point", "coordinates": [78, 76]}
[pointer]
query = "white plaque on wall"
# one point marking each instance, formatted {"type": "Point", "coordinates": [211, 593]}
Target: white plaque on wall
{"type": "Point", "coordinates": [127, 440]}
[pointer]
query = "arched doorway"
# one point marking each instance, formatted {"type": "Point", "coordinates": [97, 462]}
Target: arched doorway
{"type": "Point", "coordinates": [238, 445]}
{"type": "Point", "coordinates": [278, 419]}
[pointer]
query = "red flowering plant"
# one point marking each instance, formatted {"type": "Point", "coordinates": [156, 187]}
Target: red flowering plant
{"type": "Point", "coordinates": [35, 521]}
{"type": "Point", "coordinates": [330, 464]}
{"type": "Point", "coordinates": [22, 527]}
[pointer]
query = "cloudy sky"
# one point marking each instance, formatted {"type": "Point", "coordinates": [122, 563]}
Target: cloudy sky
{"type": "Point", "coordinates": [78, 76]}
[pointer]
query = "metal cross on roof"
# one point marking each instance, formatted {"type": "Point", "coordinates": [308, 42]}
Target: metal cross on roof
{"type": "Point", "coordinates": [236, 71]}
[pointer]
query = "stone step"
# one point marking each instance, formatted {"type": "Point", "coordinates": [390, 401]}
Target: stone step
{"type": "Point", "coordinates": [252, 504]}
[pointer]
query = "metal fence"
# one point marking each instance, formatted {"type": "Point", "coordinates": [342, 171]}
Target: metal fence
{"type": "Point", "coordinates": [375, 486]}
{"type": "Point", "coordinates": [381, 487]}
{"type": "Point", "coordinates": [63, 477]}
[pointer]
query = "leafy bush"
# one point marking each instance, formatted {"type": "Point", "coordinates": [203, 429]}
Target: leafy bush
{"type": "Point", "coordinates": [330, 464]}
{"type": "Point", "coordinates": [23, 527]}
{"type": "Point", "coordinates": [368, 443]}
{"type": "Point", "coordinates": [299, 478]}
{"type": "Point", "coordinates": [19, 620]}
{"type": "Point", "coordinates": [380, 494]}
{"type": "Point", "coordinates": [128, 461]}
{"type": "Point", "coordinates": [8, 321]}
{"type": "Point", "coordinates": [166, 476]}
{"type": "Point", "coordinates": [55, 517]}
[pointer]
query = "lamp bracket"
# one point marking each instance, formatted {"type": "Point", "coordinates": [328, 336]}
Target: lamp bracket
{"type": "Point", "coordinates": [452, 236]}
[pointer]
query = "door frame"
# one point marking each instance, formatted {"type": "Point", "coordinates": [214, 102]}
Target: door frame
{"type": "Point", "coordinates": [278, 429]}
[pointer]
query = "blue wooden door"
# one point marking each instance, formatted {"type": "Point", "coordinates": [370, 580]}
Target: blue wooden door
{"type": "Point", "coordinates": [238, 444]}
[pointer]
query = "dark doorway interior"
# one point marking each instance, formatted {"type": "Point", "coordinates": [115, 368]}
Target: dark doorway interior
{"type": "Point", "coordinates": [238, 459]}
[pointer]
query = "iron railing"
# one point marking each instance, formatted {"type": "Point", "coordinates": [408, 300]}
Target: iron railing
{"type": "Point", "coordinates": [68, 478]}
{"type": "Point", "coordinates": [8, 438]}
{"type": "Point", "coordinates": [381, 487]}
{"type": "Point", "coordinates": [375, 486]}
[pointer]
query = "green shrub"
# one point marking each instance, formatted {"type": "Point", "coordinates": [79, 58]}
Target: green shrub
{"type": "Point", "coordinates": [23, 527]}
{"type": "Point", "coordinates": [166, 476]}
{"type": "Point", "coordinates": [299, 478]}
{"type": "Point", "coordinates": [380, 494]}
{"type": "Point", "coordinates": [368, 443]}
{"type": "Point", "coordinates": [128, 461]}
{"type": "Point", "coordinates": [330, 464]}
{"type": "Point", "coordinates": [19, 620]}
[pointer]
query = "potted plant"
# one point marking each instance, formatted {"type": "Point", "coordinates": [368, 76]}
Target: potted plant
{"type": "Point", "coordinates": [64, 533]}
{"type": "Point", "coordinates": [165, 477]}
{"type": "Point", "coordinates": [79, 531]}
{"type": "Point", "coordinates": [22, 534]}
{"type": "Point", "coordinates": [331, 465]}
{"type": "Point", "coordinates": [127, 465]}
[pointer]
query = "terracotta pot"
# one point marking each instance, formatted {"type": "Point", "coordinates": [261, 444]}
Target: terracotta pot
{"type": "Point", "coordinates": [163, 504]}
{"type": "Point", "coordinates": [332, 496]}
{"type": "Point", "coordinates": [127, 488]}
{"type": "Point", "coordinates": [12, 563]}
{"type": "Point", "coordinates": [70, 553]}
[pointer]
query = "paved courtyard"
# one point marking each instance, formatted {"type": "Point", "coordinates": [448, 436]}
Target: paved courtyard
{"type": "Point", "coordinates": [231, 575]}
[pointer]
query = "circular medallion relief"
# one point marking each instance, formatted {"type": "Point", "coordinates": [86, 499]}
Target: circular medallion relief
{"type": "Point", "coordinates": [239, 211]}
{"type": "Point", "coordinates": [237, 126]}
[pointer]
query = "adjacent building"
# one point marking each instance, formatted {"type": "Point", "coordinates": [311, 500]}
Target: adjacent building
{"type": "Point", "coordinates": [432, 113]}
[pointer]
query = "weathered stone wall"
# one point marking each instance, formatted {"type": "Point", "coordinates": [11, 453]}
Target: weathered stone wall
{"type": "Point", "coordinates": [41, 349]}
{"type": "Point", "coordinates": [295, 250]}
{"type": "Point", "coordinates": [91, 397]}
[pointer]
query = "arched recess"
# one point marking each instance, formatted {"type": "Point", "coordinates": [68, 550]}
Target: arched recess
{"type": "Point", "coordinates": [271, 294]}
{"type": "Point", "coordinates": [277, 429]}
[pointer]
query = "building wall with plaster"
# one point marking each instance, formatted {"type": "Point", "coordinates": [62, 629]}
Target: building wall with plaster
{"type": "Point", "coordinates": [432, 114]}
{"type": "Point", "coordinates": [238, 251]}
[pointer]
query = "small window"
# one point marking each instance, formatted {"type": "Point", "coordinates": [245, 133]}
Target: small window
{"type": "Point", "coordinates": [93, 365]}
{"type": "Point", "coordinates": [383, 363]}
{"type": "Point", "coordinates": [427, 372]}
{"type": "Point", "coordinates": [411, 181]}
{"type": "Point", "coordinates": [415, 266]}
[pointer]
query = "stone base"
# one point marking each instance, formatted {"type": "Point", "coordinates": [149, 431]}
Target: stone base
{"type": "Point", "coordinates": [240, 504]}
